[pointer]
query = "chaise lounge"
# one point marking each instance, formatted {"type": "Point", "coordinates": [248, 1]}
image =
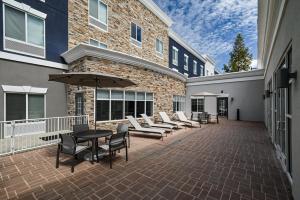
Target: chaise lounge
{"type": "Point", "coordinates": [166, 119]}
{"type": "Point", "coordinates": [152, 124]}
{"type": "Point", "coordinates": [182, 118]}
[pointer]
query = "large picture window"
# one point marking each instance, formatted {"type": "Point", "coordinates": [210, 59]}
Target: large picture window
{"type": "Point", "coordinates": [116, 104]}
{"type": "Point", "coordinates": [178, 103]}
{"type": "Point", "coordinates": [197, 105]}
{"type": "Point", "coordinates": [24, 106]}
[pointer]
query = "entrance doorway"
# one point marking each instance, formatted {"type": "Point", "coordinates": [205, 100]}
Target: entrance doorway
{"type": "Point", "coordinates": [222, 106]}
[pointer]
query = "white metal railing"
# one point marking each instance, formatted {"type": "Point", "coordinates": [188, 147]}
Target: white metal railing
{"type": "Point", "coordinates": [21, 135]}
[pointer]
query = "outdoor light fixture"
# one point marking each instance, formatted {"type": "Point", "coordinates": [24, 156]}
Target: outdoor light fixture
{"type": "Point", "coordinates": [267, 94]}
{"type": "Point", "coordinates": [283, 77]}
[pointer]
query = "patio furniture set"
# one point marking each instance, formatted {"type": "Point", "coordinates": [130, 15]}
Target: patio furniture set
{"type": "Point", "coordinates": [204, 117]}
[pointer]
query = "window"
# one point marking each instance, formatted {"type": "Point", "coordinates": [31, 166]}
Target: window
{"type": "Point", "coordinates": [197, 105]}
{"type": "Point", "coordinates": [136, 34]}
{"type": "Point", "coordinates": [195, 67]}
{"type": "Point", "coordinates": [186, 62]}
{"type": "Point", "coordinates": [98, 44]}
{"type": "Point", "coordinates": [201, 70]}
{"type": "Point", "coordinates": [159, 46]}
{"type": "Point", "coordinates": [175, 56]}
{"type": "Point", "coordinates": [24, 32]}
{"type": "Point", "coordinates": [116, 104]}
{"type": "Point", "coordinates": [79, 104]}
{"type": "Point", "coordinates": [24, 106]}
{"type": "Point", "coordinates": [207, 72]}
{"type": "Point", "coordinates": [178, 103]}
{"type": "Point", "coordinates": [98, 14]}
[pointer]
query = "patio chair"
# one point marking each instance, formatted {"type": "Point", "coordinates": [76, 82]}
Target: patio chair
{"type": "Point", "coordinates": [152, 124]}
{"type": "Point", "coordinates": [203, 117]}
{"type": "Point", "coordinates": [68, 145]}
{"type": "Point", "coordinates": [166, 119]}
{"type": "Point", "coordinates": [213, 118]}
{"type": "Point", "coordinates": [181, 116]}
{"type": "Point", "coordinates": [81, 128]}
{"type": "Point", "coordinates": [139, 128]}
{"type": "Point", "coordinates": [124, 128]}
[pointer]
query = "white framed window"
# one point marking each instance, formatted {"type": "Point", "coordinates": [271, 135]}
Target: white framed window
{"type": "Point", "coordinates": [207, 73]}
{"type": "Point", "coordinates": [159, 46]}
{"type": "Point", "coordinates": [136, 34]}
{"type": "Point", "coordinates": [186, 62]}
{"type": "Point", "coordinates": [117, 104]}
{"type": "Point", "coordinates": [98, 14]}
{"type": "Point", "coordinates": [201, 70]}
{"type": "Point", "coordinates": [197, 105]}
{"type": "Point", "coordinates": [98, 44]}
{"type": "Point", "coordinates": [24, 30]}
{"type": "Point", "coordinates": [24, 102]}
{"type": "Point", "coordinates": [178, 103]}
{"type": "Point", "coordinates": [175, 56]}
{"type": "Point", "coordinates": [195, 67]}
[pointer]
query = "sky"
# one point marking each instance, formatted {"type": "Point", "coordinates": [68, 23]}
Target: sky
{"type": "Point", "coordinates": [210, 26]}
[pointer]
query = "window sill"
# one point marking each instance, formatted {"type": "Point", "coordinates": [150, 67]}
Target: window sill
{"type": "Point", "coordinates": [98, 24]}
{"type": "Point", "coordinates": [135, 42]}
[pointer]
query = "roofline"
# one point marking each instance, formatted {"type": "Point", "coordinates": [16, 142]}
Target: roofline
{"type": "Point", "coordinates": [157, 11]}
{"type": "Point", "coordinates": [259, 73]}
{"type": "Point", "coordinates": [183, 43]}
{"type": "Point", "coordinates": [86, 50]}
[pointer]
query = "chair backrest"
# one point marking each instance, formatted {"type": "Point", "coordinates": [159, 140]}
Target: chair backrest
{"type": "Point", "coordinates": [80, 128]}
{"type": "Point", "coordinates": [195, 115]}
{"type": "Point", "coordinates": [133, 122]}
{"type": "Point", "coordinates": [122, 128]}
{"type": "Point", "coordinates": [164, 117]}
{"type": "Point", "coordinates": [68, 144]}
{"type": "Point", "coordinates": [181, 116]}
{"type": "Point", "coordinates": [147, 119]}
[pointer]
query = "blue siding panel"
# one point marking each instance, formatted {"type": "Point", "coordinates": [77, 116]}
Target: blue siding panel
{"type": "Point", "coordinates": [56, 26]}
{"type": "Point", "coordinates": [181, 52]}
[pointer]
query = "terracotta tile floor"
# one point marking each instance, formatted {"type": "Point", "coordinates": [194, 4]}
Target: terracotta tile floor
{"type": "Point", "coordinates": [230, 160]}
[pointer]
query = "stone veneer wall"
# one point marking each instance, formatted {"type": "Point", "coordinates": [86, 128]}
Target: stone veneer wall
{"type": "Point", "coordinates": [162, 86]}
{"type": "Point", "coordinates": [120, 14]}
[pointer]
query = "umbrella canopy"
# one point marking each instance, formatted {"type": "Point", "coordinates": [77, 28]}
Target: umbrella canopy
{"type": "Point", "coordinates": [90, 79]}
{"type": "Point", "coordinates": [205, 94]}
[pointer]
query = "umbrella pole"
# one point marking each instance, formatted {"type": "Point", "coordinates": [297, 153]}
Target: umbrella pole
{"type": "Point", "coordinates": [96, 103]}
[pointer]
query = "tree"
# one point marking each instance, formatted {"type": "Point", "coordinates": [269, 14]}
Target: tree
{"type": "Point", "coordinates": [240, 58]}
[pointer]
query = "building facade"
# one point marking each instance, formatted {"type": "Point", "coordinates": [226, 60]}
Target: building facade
{"type": "Point", "coordinates": [279, 55]}
{"type": "Point", "coordinates": [183, 58]}
{"type": "Point", "coordinates": [128, 39]}
{"type": "Point", "coordinates": [30, 47]}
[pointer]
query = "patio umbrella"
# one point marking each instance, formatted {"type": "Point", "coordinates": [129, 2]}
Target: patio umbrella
{"type": "Point", "coordinates": [91, 79]}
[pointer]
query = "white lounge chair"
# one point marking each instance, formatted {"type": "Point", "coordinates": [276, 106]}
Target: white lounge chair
{"type": "Point", "coordinates": [152, 124]}
{"type": "Point", "coordinates": [166, 119]}
{"type": "Point", "coordinates": [138, 128]}
{"type": "Point", "coordinates": [181, 116]}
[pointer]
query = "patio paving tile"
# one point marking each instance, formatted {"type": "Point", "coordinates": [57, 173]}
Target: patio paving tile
{"type": "Point", "coordinates": [226, 161]}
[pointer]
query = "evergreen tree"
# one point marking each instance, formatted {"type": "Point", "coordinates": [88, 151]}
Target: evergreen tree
{"type": "Point", "coordinates": [240, 58]}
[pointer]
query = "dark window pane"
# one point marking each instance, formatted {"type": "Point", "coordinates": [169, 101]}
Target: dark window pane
{"type": "Point", "coordinates": [14, 23]}
{"type": "Point", "coordinates": [200, 105]}
{"type": "Point", "coordinates": [139, 34]}
{"type": "Point", "coordinates": [133, 30]}
{"type": "Point", "coordinates": [129, 108]}
{"type": "Point", "coordinates": [174, 106]}
{"type": "Point", "coordinates": [15, 106]}
{"type": "Point", "coordinates": [149, 108]}
{"type": "Point", "coordinates": [116, 110]}
{"type": "Point", "coordinates": [102, 110]}
{"type": "Point", "coordinates": [140, 108]}
{"type": "Point", "coordinates": [194, 105]}
{"type": "Point", "coordinates": [79, 104]}
{"type": "Point", "coordinates": [36, 106]}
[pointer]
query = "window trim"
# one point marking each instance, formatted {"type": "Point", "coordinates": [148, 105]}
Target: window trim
{"type": "Point", "coordinates": [195, 71]}
{"type": "Point", "coordinates": [123, 100]}
{"type": "Point", "coordinates": [160, 54]}
{"type": "Point", "coordinates": [26, 12]}
{"type": "Point", "coordinates": [133, 40]}
{"type": "Point", "coordinates": [105, 30]}
{"type": "Point", "coordinates": [186, 67]}
{"type": "Point", "coordinates": [175, 62]}
{"type": "Point", "coordinates": [99, 43]}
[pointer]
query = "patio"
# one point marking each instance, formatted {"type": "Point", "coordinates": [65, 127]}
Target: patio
{"type": "Point", "coordinates": [229, 160]}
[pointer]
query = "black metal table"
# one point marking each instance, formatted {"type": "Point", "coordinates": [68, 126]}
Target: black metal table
{"type": "Point", "coordinates": [93, 135]}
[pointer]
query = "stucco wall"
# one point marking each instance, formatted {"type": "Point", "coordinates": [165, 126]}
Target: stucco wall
{"type": "Point", "coordinates": [120, 15]}
{"type": "Point", "coordinates": [289, 33]}
{"type": "Point", "coordinates": [247, 96]}
{"type": "Point", "coordinates": [21, 74]}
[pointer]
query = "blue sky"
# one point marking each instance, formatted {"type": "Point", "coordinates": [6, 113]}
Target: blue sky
{"type": "Point", "coordinates": [210, 26]}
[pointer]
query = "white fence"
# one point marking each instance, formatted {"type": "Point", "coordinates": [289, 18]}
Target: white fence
{"type": "Point", "coordinates": [21, 135]}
